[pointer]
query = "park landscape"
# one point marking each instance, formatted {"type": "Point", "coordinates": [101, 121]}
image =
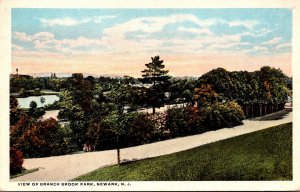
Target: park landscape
{"type": "Point", "coordinates": [161, 95]}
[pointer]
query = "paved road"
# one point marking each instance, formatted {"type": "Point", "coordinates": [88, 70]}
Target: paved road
{"type": "Point", "coordinates": [67, 167]}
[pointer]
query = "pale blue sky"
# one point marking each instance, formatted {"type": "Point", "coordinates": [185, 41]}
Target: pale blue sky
{"type": "Point", "coordinates": [71, 32]}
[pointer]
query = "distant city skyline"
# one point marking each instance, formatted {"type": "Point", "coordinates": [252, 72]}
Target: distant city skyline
{"type": "Point", "coordinates": [120, 41]}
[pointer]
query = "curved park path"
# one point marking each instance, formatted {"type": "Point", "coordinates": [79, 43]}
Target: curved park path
{"type": "Point", "coordinates": [67, 167]}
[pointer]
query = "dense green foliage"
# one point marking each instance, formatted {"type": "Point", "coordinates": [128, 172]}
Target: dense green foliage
{"type": "Point", "coordinates": [34, 111]}
{"type": "Point", "coordinates": [26, 85]}
{"type": "Point", "coordinates": [259, 93]}
{"type": "Point", "coordinates": [263, 155]}
{"type": "Point", "coordinates": [182, 90]}
{"type": "Point", "coordinates": [105, 112]}
{"type": "Point", "coordinates": [127, 129]}
{"type": "Point", "coordinates": [193, 120]}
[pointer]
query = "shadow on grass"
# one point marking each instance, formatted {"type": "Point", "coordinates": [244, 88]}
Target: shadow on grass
{"type": "Point", "coordinates": [24, 172]}
{"type": "Point", "coordinates": [274, 116]}
{"type": "Point", "coordinates": [128, 161]}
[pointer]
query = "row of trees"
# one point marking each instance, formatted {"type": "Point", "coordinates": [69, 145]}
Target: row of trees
{"type": "Point", "coordinates": [95, 108]}
{"type": "Point", "coordinates": [23, 84]}
{"type": "Point", "coordinates": [258, 93]}
{"type": "Point", "coordinates": [94, 113]}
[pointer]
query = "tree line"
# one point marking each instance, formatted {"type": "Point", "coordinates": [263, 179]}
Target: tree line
{"type": "Point", "coordinates": [258, 93]}
{"type": "Point", "coordinates": [103, 111]}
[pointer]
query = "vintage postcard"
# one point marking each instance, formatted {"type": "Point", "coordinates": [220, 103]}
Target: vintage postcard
{"type": "Point", "coordinates": [169, 95]}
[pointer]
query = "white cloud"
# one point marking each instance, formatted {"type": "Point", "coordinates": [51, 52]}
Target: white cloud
{"type": "Point", "coordinates": [101, 18]}
{"type": "Point", "coordinates": [155, 24]}
{"type": "Point", "coordinates": [283, 45]}
{"type": "Point", "coordinates": [45, 44]}
{"type": "Point", "coordinates": [259, 48]}
{"type": "Point", "coordinates": [263, 32]}
{"type": "Point", "coordinates": [199, 31]}
{"type": "Point", "coordinates": [115, 38]}
{"type": "Point", "coordinates": [16, 47]}
{"type": "Point", "coordinates": [37, 36]}
{"type": "Point", "coordinates": [22, 37]}
{"type": "Point", "coordinates": [43, 36]}
{"type": "Point", "coordinates": [116, 35]}
{"type": "Point", "coordinates": [68, 21]}
{"type": "Point", "coordinates": [227, 46]}
{"type": "Point", "coordinates": [81, 42]}
{"type": "Point", "coordinates": [249, 24]}
{"type": "Point", "coordinates": [257, 33]}
{"type": "Point", "coordinates": [256, 49]}
{"type": "Point", "coordinates": [273, 41]}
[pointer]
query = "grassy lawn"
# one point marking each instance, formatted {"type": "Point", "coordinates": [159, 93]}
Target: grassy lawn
{"type": "Point", "coordinates": [263, 155]}
{"type": "Point", "coordinates": [24, 172]}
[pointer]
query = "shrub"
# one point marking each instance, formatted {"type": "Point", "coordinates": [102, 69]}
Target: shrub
{"type": "Point", "coordinates": [177, 121]}
{"type": "Point", "coordinates": [193, 120]}
{"type": "Point", "coordinates": [41, 139]}
{"type": "Point", "coordinates": [219, 115]}
{"type": "Point", "coordinates": [184, 121]}
{"type": "Point", "coordinates": [233, 113]}
{"type": "Point", "coordinates": [161, 131]}
{"type": "Point", "coordinates": [16, 161]}
{"type": "Point", "coordinates": [100, 134]}
{"type": "Point", "coordinates": [140, 129]}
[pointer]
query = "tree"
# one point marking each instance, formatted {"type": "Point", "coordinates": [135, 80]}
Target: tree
{"type": "Point", "coordinates": [182, 90]}
{"type": "Point", "coordinates": [16, 160]}
{"type": "Point", "coordinates": [39, 139]}
{"type": "Point", "coordinates": [32, 105]}
{"type": "Point", "coordinates": [155, 75]}
{"type": "Point", "coordinates": [34, 111]}
{"type": "Point", "coordinates": [42, 99]}
{"type": "Point", "coordinates": [32, 108]}
{"type": "Point", "coordinates": [258, 93]}
{"type": "Point", "coordinates": [220, 81]}
{"type": "Point", "coordinates": [14, 111]}
{"type": "Point", "coordinates": [205, 95]}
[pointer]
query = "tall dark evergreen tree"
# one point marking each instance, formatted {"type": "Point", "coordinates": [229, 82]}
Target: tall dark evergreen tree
{"type": "Point", "coordinates": [155, 75]}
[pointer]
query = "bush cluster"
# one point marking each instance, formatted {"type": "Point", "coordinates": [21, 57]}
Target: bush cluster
{"type": "Point", "coordinates": [192, 120]}
{"type": "Point", "coordinates": [40, 139]}
{"type": "Point", "coordinates": [130, 129]}
{"type": "Point", "coordinates": [126, 130]}
{"type": "Point", "coordinates": [219, 115]}
{"type": "Point", "coordinates": [16, 160]}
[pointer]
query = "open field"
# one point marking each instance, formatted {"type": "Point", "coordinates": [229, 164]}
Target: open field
{"type": "Point", "coordinates": [263, 155]}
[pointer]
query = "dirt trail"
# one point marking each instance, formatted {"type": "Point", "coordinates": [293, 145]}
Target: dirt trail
{"type": "Point", "coordinates": [67, 167]}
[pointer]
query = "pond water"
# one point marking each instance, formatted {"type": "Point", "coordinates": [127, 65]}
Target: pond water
{"type": "Point", "coordinates": [25, 102]}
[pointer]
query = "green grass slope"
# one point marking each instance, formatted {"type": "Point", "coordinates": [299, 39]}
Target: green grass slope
{"type": "Point", "coordinates": [263, 155]}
